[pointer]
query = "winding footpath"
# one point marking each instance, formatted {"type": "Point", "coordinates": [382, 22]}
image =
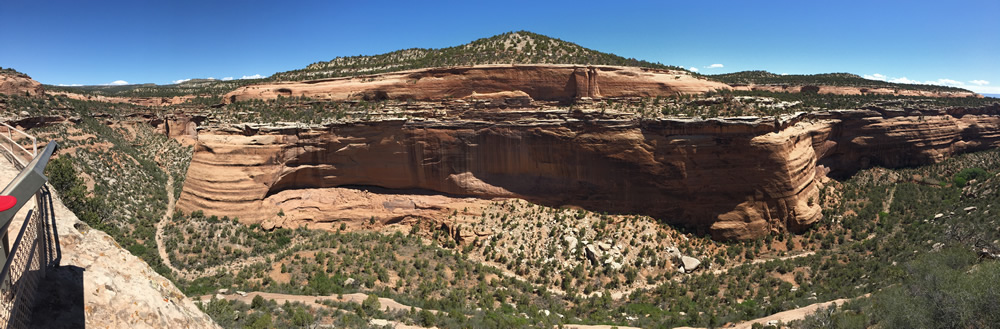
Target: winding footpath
{"type": "Point", "coordinates": [187, 274]}
{"type": "Point", "coordinates": [163, 221]}
{"type": "Point", "coordinates": [789, 315]}
{"type": "Point", "coordinates": [386, 304]}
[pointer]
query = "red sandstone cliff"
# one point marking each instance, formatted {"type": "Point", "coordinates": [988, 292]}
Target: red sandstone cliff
{"type": "Point", "coordinates": [734, 179]}
{"type": "Point", "coordinates": [541, 82]}
{"type": "Point", "coordinates": [141, 101]}
{"type": "Point", "coordinates": [20, 84]}
{"type": "Point", "coordinates": [847, 90]}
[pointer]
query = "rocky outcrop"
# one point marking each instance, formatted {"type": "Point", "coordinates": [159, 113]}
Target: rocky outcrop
{"type": "Point", "coordinates": [98, 284]}
{"type": "Point", "coordinates": [540, 82]}
{"type": "Point", "coordinates": [736, 179]}
{"type": "Point", "coordinates": [850, 90]}
{"type": "Point", "coordinates": [19, 84]}
{"type": "Point", "coordinates": [181, 127]}
{"type": "Point", "coordinates": [141, 101]}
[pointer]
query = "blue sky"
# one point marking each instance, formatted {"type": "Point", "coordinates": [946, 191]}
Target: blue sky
{"type": "Point", "coordinates": [140, 41]}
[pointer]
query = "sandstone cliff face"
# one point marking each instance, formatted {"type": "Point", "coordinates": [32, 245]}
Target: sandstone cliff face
{"type": "Point", "coordinates": [141, 101]}
{"type": "Point", "coordinates": [541, 82]}
{"type": "Point", "coordinates": [734, 179]}
{"type": "Point", "coordinates": [846, 90]}
{"type": "Point", "coordinates": [20, 84]}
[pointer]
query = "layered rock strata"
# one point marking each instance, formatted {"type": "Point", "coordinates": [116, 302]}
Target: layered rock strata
{"type": "Point", "coordinates": [141, 101]}
{"type": "Point", "coordinates": [735, 179]}
{"type": "Point", "coordinates": [851, 90]}
{"type": "Point", "coordinates": [20, 84]}
{"type": "Point", "coordinates": [541, 82]}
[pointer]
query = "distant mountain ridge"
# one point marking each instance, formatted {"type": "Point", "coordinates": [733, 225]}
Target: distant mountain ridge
{"type": "Point", "coordinates": [824, 79]}
{"type": "Point", "coordinates": [520, 47]}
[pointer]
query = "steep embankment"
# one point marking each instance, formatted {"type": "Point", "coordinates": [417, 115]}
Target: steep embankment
{"type": "Point", "coordinates": [541, 82]}
{"type": "Point", "coordinates": [98, 284]}
{"type": "Point", "coordinates": [735, 179]}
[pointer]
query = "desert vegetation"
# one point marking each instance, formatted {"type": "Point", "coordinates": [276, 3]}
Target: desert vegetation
{"type": "Point", "coordinates": [519, 47]}
{"type": "Point", "coordinates": [514, 263]}
{"type": "Point", "coordinates": [912, 247]}
{"type": "Point", "coordinates": [825, 79]}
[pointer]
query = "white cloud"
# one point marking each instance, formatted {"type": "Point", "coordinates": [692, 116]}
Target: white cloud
{"type": "Point", "coordinates": [227, 78]}
{"type": "Point", "coordinates": [904, 80]}
{"type": "Point", "coordinates": [118, 83]}
{"type": "Point", "coordinates": [693, 69]}
{"type": "Point", "coordinates": [945, 82]}
{"type": "Point", "coordinates": [714, 66]}
{"type": "Point", "coordinates": [875, 76]}
{"type": "Point", "coordinates": [979, 86]}
{"type": "Point", "coordinates": [985, 89]}
{"type": "Point", "coordinates": [70, 85]}
{"type": "Point", "coordinates": [255, 76]}
{"type": "Point", "coordinates": [181, 80]}
{"type": "Point", "coordinates": [211, 78]}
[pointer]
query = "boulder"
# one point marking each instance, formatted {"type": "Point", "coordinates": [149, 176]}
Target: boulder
{"type": "Point", "coordinates": [613, 264]}
{"type": "Point", "coordinates": [593, 254]}
{"type": "Point", "coordinates": [690, 263]}
{"type": "Point", "coordinates": [267, 225]}
{"type": "Point", "coordinates": [570, 241]}
{"type": "Point", "coordinates": [673, 253]}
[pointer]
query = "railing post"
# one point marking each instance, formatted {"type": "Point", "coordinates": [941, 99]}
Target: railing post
{"type": "Point", "coordinates": [24, 187]}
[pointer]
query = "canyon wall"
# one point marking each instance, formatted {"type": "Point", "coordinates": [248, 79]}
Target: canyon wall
{"type": "Point", "coordinates": [141, 101]}
{"type": "Point", "coordinates": [851, 90]}
{"type": "Point", "coordinates": [551, 82]}
{"type": "Point", "coordinates": [735, 179]}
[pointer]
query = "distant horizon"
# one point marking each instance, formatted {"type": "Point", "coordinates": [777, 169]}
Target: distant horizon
{"type": "Point", "coordinates": [122, 42]}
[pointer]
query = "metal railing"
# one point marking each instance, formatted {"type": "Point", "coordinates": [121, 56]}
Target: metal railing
{"type": "Point", "coordinates": [9, 143]}
{"type": "Point", "coordinates": [34, 249]}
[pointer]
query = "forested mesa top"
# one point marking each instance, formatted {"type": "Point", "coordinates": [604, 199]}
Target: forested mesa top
{"type": "Point", "coordinates": [521, 47]}
{"type": "Point", "coordinates": [10, 71]}
{"type": "Point", "coordinates": [823, 79]}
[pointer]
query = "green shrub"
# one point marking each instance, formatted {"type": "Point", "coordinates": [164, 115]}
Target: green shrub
{"type": "Point", "coordinates": [963, 177]}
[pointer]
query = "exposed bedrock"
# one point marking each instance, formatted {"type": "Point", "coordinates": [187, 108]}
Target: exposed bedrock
{"type": "Point", "coordinates": [548, 82]}
{"type": "Point", "coordinates": [735, 179]}
{"type": "Point", "coordinates": [851, 90]}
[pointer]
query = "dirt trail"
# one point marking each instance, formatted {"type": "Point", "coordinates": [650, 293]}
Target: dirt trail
{"type": "Point", "coordinates": [159, 226]}
{"type": "Point", "coordinates": [888, 203]}
{"type": "Point", "coordinates": [311, 301]}
{"type": "Point", "coordinates": [165, 257]}
{"type": "Point", "coordinates": [387, 304]}
{"type": "Point", "coordinates": [759, 261]}
{"type": "Point", "coordinates": [789, 315]}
